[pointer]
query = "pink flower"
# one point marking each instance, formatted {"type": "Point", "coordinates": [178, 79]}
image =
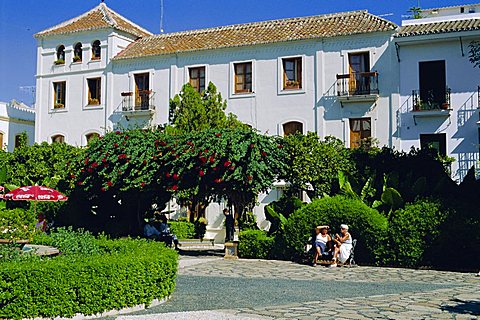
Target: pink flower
{"type": "Point", "coordinates": [175, 176]}
{"type": "Point", "coordinates": [227, 163]}
{"type": "Point", "coordinates": [201, 173]}
{"type": "Point", "coordinates": [175, 187]}
{"type": "Point", "coordinates": [109, 183]}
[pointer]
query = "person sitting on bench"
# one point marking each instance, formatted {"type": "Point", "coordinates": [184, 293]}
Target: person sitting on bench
{"type": "Point", "coordinates": [343, 245]}
{"type": "Point", "coordinates": [321, 243]}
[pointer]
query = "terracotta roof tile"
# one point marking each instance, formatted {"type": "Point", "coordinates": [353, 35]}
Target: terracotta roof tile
{"type": "Point", "coordinates": [439, 27]}
{"type": "Point", "coordinates": [323, 26]}
{"type": "Point", "coordinates": [100, 17]}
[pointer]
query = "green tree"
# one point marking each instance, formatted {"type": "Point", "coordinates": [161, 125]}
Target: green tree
{"type": "Point", "coordinates": [416, 12]}
{"type": "Point", "coordinates": [194, 111]}
{"type": "Point", "coordinates": [313, 163]}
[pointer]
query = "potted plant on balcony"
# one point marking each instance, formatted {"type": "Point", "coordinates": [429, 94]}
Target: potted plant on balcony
{"type": "Point", "coordinates": [445, 106]}
{"type": "Point", "coordinates": [93, 101]}
{"type": "Point", "coordinates": [77, 59]}
{"type": "Point", "coordinates": [59, 62]}
{"type": "Point", "coordinates": [58, 106]}
{"type": "Point", "coordinates": [418, 105]}
{"type": "Point", "coordinates": [292, 84]}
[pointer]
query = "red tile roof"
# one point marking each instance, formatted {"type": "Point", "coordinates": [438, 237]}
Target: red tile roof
{"type": "Point", "coordinates": [100, 17]}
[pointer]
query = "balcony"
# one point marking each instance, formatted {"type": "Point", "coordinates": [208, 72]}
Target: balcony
{"type": "Point", "coordinates": [358, 87]}
{"type": "Point", "coordinates": [137, 105]}
{"type": "Point", "coordinates": [431, 106]}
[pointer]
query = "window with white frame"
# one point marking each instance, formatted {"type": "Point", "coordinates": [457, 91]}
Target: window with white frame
{"type": "Point", "coordinates": [243, 77]}
{"type": "Point", "coordinates": [59, 94]}
{"type": "Point", "coordinates": [292, 73]}
{"type": "Point", "coordinates": [197, 78]}
{"type": "Point", "coordinates": [94, 91]}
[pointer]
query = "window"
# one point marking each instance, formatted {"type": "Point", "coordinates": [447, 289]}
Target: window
{"type": "Point", "coordinates": [243, 77]}
{"type": "Point", "coordinates": [292, 73]}
{"type": "Point", "coordinates": [60, 55]}
{"type": "Point", "coordinates": [436, 142]}
{"type": "Point", "coordinates": [96, 50]}
{"type": "Point", "coordinates": [360, 130]}
{"type": "Point", "coordinates": [58, 138]}
{"type": "Point", "coordinates": [59, 89]}
{"type": "Point", "coordinates": [433, 84]}
{"type": "Point", "coordinates": [292, 127]}
{"type": "Point", "coordinates": [94, 87]}
{"type": "Point", "coordinates": [142, 91]}
{"type": "Point", "coordinates": [91, 136]}
{"type": "Point", "coordinates": [1, 140]}
{"type": "Point", "coordinates": [359, 76]}
{"type": "Point", "coordinates": [197, 78]}
{"type": "Point", "coordinates": [77, 52]}
{"type": "Point", "coordinates": [18, 140]}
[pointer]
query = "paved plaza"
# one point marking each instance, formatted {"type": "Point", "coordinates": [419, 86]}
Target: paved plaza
{"type": "Point", "coordinates": [214, 288]}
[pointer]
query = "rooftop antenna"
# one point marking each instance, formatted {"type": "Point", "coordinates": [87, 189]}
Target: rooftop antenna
{"type": "Point", "coordinates": [29, 90]}
{"type": "Point", "coordinates": [161, 16]}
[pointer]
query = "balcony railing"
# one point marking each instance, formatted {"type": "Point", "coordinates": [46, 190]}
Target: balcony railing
{"type": "Point", "coordinates": [431, 103]}
{"type": "Point", "coordinates": [143, 101]}
{"type": "Point", "coordinates": [357, 83]}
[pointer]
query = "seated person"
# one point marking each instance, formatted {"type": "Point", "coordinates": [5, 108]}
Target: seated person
{"type": "Point", "coordinates": [41, 224]}
{"type": "Point", "coordinates": [165, 233]}
{"type": "Point", "coordinates": [321, 243]}
{"type": "Point", "coordinates": [150, 231]}
{"type": "Point", "coordinates": [343, 245]}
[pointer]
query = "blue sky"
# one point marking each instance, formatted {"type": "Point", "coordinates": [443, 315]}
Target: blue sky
{"type": "Point", "coordinates": [20, 19]}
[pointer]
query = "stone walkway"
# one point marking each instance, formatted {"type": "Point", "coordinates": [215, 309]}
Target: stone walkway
{"type": "Point", "coordinates": [260, 289]}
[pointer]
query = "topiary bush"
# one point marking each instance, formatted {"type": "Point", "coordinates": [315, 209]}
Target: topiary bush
{"type": "Point", "coordinates": [367, 225]}
{"type": "Point", "coordinates": [255, 244]}
{"type": "Point", "coordinates": [412, 232]}
{"type": "Point", "coordinates": [182, 229]}
{"type": "Point", "coordinates": [126, 273]}
{"type": "Point", "coordinates": [17, 224]}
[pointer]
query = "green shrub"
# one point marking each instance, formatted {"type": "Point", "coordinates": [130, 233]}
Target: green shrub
{"type": "Point", "coordinates": [366, 225]}
{"type": "Point", "coordinates": [248, 222]}
{"type": "Point", "coordinates": [128, 273]}
{"type": "Point", "coordinates": [412, 232]}
{"type": "Point", "coordinates": [70, 241]}
{"type": "Point", "coordinates": [17, 224]}
{"type": "Point", "coordinates": [182, 229]}
{"type": "Point", "coordinates": [255, 244]}
{"type": "Point", "coordinates": [200, 226]}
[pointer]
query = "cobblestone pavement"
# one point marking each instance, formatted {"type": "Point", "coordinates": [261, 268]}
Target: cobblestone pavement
{"type": "Point", "coordinates": [368, 292]}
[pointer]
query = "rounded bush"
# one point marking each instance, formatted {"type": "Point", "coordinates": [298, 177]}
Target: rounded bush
{"type": "Point", "coordinates": [126, 273]}
{"type": "Point", "coordinates": [366, 225]}
{"type": "Point", "coordinates": [255, 244]}
{"type": "Point", "coordinates": [17, 224]}
{"type": "Point", "coordinates": [412, 232]}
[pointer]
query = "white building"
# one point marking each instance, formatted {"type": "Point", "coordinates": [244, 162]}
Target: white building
{"type": "Point", "coordinates": [439, 86]}
{"type": "Point", "coordinates": [350, 75]}
{"type": "Point", "coordinates": [15, 118]}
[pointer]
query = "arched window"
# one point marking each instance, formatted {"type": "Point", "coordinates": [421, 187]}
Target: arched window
{"type": "Point", "coordinates": [91, 136]}
{"type": "Point", "coordinates": [58, 138]}
{"type": "Point", "coordinates": [77, 52]}
{"type": "Point", "coordinates": [292, 127]}
{"type": "Point", "coordinates": [96, 50]}
{"type": "Point", "coordinates": [60, 55]}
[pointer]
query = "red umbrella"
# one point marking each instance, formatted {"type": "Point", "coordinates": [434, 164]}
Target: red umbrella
{"type": "Point", "coordinates": [2, 189]}
{"type": "Point", "coordinates": [35, 193]}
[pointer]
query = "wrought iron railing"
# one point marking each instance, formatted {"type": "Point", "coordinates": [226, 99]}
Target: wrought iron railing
{"type": "Point", "coordinates": [143, 101]}
{"type": "Point", "coordinates": [431, 103]}
{"type": "Point", "coordinates": [357, 83]}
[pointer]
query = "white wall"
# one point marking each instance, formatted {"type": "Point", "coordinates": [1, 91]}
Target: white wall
{"type": "Point", "coordinates": [463, 79]}
{"type": "Point", "coordinates": [14, 121]}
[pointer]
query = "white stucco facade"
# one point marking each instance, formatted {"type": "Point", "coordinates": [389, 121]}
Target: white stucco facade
{"type": "Point", "coordinates": [15, 118]}
{"type": "Point", "coordinates": [353, 86]}
{"type": "Point", "coordinates": [458, 123]}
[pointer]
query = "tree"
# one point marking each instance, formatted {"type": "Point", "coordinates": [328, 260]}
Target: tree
{"type": "Point", "coordinates": [313, 164]}
{"type": "Point", "coordinates": [416, 12]}
{"type": "Point", "coordinates": [193, 111]}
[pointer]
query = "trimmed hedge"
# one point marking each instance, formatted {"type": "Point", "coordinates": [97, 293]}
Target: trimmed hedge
{"type": "Point", "coordinates": [127, 273]}
{"type": "Point", "coordinates": [182, 229]}
{"type": "Point", "coordinates": [255, 244]}
{"type": "Point", "coordinates": [366, 225]}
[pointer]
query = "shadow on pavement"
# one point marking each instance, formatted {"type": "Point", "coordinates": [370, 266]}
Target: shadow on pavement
{"type": "Point", "coordinates": [464, 307]}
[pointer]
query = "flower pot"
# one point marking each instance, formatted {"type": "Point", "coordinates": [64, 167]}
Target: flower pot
{"type": "Point", "coordinates": [445, 106]}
